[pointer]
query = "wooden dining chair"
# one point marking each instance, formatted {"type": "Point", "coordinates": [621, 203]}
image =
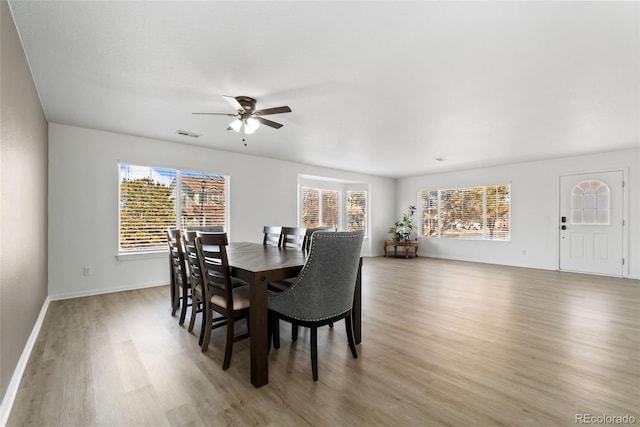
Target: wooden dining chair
{"type": "Point", "coordinates": [179, 284]}
{"type": "Point", "coordinates": [323, 291]}
{"type": "Point", "coordinates": [292, 237]}
{"type": "Point", "coordinates": [271, 235]}
{"type": "Point", "coordinates": [219, 294]}
{"type": "Point", "coordinates": [195, 279]}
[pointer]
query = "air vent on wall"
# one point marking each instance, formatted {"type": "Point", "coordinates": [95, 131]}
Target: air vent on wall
{"type": "Point", "coordinates": [187, 133]}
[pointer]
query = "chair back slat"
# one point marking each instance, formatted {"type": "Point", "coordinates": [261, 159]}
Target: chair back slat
{"type": "Point", "coordinates": [292, 237]}
{"type": "Point", "coordinates": [211, 249]}
{"type": "Point", "coordinates": [193, 261]}
{"type": "Point", "coordinates": [176, 257]}
{"type": "Point", "coordinates": [271, 235]}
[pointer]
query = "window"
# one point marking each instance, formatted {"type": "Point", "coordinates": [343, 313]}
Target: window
{"type": "Point", "coordinates": [356, 210]}
{"type": "Point", "coordinates": [319, 207]}
{"type": "Point", "coordinates": [475, 213]}
{"type": "Point", "coordinates": [204, 199]}
{"type": "Point", "coordinates": [153, 199]}
{"type": "Point", "coordinates": [330, 202]}
{"type": "Point", "coordinates": [590, 203]}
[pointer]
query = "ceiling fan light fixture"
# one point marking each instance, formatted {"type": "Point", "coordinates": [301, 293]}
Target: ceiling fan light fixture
{"type": "Point", "coordinates": [246, 115]}
{"type": "Point", "coordinates": [236, 125]}
{"type": "Point", "coordinates": [251, 125]}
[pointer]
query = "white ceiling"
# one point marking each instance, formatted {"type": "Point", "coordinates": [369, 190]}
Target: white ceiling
{"type": "Point", "coordinates": [382, 88]}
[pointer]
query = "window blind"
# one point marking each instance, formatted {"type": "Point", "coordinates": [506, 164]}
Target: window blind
{"type": "Point", "coordinates": [356, 210]}
{"type": "Point", "coordinates": [473, 213]}
{"type": "Point", "coordinates": [320, 207]}
{"type": "Point", "coordinates": [154, 199]}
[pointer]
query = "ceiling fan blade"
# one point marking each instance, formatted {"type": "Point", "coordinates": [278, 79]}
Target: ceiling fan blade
{"type": "Point", "coordinates": [268, 122]}
{"type": "Point", "coordinates": [234, 103]}
{"type": "Point", "coordinates": [218, 114]}
{"type": "Point", "coordinates": [275, 110]}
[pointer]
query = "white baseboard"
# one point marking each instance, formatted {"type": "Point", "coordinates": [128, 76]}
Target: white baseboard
{"type": "Point", "coordinates": [69, 295]}
{"type": "Point", "coordinates": [14, 384]}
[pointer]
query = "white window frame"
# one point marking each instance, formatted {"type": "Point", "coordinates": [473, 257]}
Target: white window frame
{"type": "Point", "coordinates": [157, 252]}
{"type": "Point", "coordinates": [485, 235]}
{"type": "Point", "coordinates": [342, 187]}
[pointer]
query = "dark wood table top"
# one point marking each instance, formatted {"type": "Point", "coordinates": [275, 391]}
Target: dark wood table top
{"type": "Point", "coordinates": [271, 262]}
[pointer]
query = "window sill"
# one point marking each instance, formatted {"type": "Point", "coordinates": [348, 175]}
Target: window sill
{"type": "Point", "coordinates": [136, 256]}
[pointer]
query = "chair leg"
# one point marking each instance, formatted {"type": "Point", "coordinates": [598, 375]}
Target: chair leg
{"type": "Point", "coordinates": [194, 310]}
{"type": "Point", "coordinates": [229, 346]}
{"type": "Point", "coordinates": [175, 299]}
{"type": "Point", "coordinates": [205, 331]}
{"type": "Point", "coordinates": [352, 344]}
{"type": "Point", "coordinates": [314, 352]}
{"type": "Point", "coordinates": [183, 309]}
{"type": "Point", "coordinates": [294, 332]}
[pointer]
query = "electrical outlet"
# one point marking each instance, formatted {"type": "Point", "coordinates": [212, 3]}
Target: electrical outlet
{"type": "Point", "coordinates": [87, 271]}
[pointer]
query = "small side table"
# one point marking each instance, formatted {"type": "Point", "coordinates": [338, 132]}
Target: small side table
{"type": "Point", "coordinates": [406, 245]}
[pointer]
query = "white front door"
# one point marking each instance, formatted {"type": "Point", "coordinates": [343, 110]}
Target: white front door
{"type": "Point", "coordinates": [591, 223]}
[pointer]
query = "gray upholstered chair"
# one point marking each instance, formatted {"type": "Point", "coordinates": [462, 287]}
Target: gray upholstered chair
{"type": "Point", "coordinates": [283, 285]}
{"type": "Point", "coordinates": [309, 234]}
{"type": "Point", "coordinates": [219, 292]}
{"type": "Point", "coordinates": [323, 291]}
{"type": "Point", "coordinates": [290, 238]}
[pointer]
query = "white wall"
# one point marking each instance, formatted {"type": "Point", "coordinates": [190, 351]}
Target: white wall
{"type": "Point", "coordinates": [534, 209]}
{"type": "Point", "coordinates": [83, 199]}
{"type": "Point", "coordinates": [83, 203]}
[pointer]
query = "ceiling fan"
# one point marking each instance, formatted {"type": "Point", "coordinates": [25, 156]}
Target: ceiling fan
{"type": "Point", "coordinates": [247, 116]}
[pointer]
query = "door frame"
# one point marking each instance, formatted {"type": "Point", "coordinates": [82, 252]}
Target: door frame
{"type": "Point", "coordinates": [625, 214]}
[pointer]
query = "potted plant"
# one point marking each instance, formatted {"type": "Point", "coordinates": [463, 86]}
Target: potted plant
{"type": "Point", "coordinates": [403, 229]}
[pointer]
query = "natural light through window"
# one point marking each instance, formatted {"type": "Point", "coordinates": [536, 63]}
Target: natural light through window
{"type": "Point", "coordinates": [328, 202]}
{"type": "Point", "coordinates": [590, 203]}
{"type": "Point", "coordinates": [474, 213]}
{"type": "Point", "coordinates": [153, 199]}
{"type": "Point", "coordinates": [319, 207]}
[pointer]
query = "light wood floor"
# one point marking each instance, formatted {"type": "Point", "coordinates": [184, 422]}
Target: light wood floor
{"type": "Point", "coordinates": [444, 343]}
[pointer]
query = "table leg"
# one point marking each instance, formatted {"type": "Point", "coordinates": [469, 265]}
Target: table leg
{"type": "Point", "coordinates": [258, 323]}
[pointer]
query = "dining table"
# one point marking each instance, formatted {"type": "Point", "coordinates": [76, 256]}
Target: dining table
{"type": "Point", "coordinates": [258, 264]}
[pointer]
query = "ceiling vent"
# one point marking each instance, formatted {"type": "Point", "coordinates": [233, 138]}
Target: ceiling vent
{"type": "Point", "coordinates": [187, 133]}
